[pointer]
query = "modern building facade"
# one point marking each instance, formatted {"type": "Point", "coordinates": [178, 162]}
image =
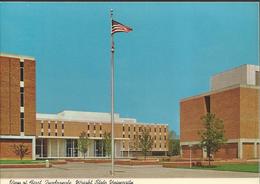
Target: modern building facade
{"type": "Point", "coordinates": [57, 135]}
{"type": "Point", "coordinates": [234, 98]}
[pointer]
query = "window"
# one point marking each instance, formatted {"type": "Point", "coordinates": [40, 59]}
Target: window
{"type": "Point", "coordinates": [123, 135]}
{"type": "Point", "coordinates": [100, 128]}
{"type": "Point", "coordinates": [62, 126]}
{"type": "Point", "coordinates": [22, 124]}
{"type": "Point", "coordinates": [154, 137]}
{"type": "Point", "coordinates": [62, 134]}
{"type": "Point", "coordinates": [21, 73]}
{"type": "Point", "coordinates": [160, 137]}
{"type": "Point", "coordinates": [155, 145]}
{"type": "Point", "coordinates": [22, 99]}
{"type": "Point", "coordinates": [160, 129]}
{"type": "Point", "coordinates": [100, 135]}
{"type": "Point", "coordinates": [41, 124]}
{"type": "Point", "coordinates": [154, 129]}
{"type": "Point", "coordinates": [22, 89]}
{"type": "Point", "coordinates": [139, 129]}
{"type": "Point", "coordinates": [49, 134]}
{"type": "Point", "coordinates": [49, 125]}
{"type": "Point", "coordinates": [21, 64]}
{"type": "Point", "coordinates": [150, 129]}
{"type": "Point", "coordinates": [88, 135]}
{"type": "Point", "coordinates": [134, 128]}
{"type": "Point", "coordinates": [164, 145]}
{"type": "Point", "coordinates": [56, 125]}
{"type": "Point", "coordinates": [164, 129]}
{"type": "Point", "coordinates": [160, 145]}
{"type": "Point", "coordinates": [129, 136]}
{"type": "Point", "coordinates": [134, 136]}
{"type": "Point", "coordinates": [94, 127]}
{"type": "Point", "coordinates": [123, 128]}
{"type": "Point", "coordinates": [41, 133]}
{"type": "Point", "coordinates": [128, 128]}
{"type": "Point", "coordinates": [88, 127]}
{"type": "Point", "coordinates": [56, 133]}
{"type": "Point", "coordinates": [164, 137]}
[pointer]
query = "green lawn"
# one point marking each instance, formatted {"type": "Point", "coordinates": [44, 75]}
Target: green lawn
{"type": "Point", "coordinates": [243, 167]}
{"type": "Point", "coordinates": [21, 161]}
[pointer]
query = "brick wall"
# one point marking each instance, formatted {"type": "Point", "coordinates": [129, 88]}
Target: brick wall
{"type": "Point", "coordinates": [6, 150]}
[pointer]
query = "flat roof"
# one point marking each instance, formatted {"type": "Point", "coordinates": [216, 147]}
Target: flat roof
{"type": "Point", "coordinates": [17, 56]}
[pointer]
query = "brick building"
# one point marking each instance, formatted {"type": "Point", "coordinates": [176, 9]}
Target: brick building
{"type": "Point", "coordinates": [234, 98]}
{"type": "Point", "coordinates": [56, 135]}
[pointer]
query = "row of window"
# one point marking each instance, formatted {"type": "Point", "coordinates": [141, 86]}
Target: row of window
{"type": "Point", "coordinates": [140, 129]}
{"type": "Point", "coordinates": [129, 136]}
{"type": "Point", "coordinates": [21, 97]}
{"type": "Point", "coordinates": [56, 125]}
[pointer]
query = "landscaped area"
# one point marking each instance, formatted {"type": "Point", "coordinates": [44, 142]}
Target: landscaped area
{"type": "Point", "coordinates": [21, 161]}
{"type": "Point", "coordinates": [241, 167]}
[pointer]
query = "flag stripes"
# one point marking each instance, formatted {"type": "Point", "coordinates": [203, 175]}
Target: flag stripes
{"type": "Point", "coordinates": [118, 27]}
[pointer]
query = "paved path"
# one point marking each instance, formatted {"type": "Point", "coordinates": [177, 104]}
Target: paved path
{"type": "Point", "coordinates": [87, 170]}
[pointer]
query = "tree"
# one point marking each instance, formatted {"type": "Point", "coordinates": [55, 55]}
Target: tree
{"type": "Point", "coordinates": [173, 144]}
{"type": "Point", "coordinates": [21, 150]}
{"type": "Point", "coordinates": [212, 136]}
{"type": "Point", "coordinates": [107, 143]}
{"type": "Point", "coordinates": [145, 142]}
{"type": "Point", "coordinates": [83, 143]}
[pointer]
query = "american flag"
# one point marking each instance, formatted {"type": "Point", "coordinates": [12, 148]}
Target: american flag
{"type": "Point", "coordinates": [118, 27]}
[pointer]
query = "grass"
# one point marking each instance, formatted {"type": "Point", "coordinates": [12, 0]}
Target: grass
{"type": "Point", "coordinates": [21, 161]}
{"type": "Point", "coordinates": [242, 167]}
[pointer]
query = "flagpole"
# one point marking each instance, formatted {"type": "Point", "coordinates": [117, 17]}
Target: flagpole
{"type": "Point", "coordinates": [112, 94]}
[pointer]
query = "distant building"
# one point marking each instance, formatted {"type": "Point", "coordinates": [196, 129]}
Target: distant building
{"type": "Point", "coordinates": [56, 135]}
{"type": "Point", "coordinates": [234, 98]}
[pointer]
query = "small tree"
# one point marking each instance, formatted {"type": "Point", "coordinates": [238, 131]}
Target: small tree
{"type": "Point", "coordinates": [83, 143]}
{"type": "Point", "coordinates": [21, 150]}
{"type": "Point", "coordinates": [145, 142]}
{"type": "Point", "coordinates": [212, 137]}
{"type": "Point", "coordinates": [173, 144]}
{"type": "Point", "coordinates": [107, 143]}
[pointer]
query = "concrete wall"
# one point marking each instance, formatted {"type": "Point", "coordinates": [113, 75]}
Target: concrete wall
{"type": "Point", "coordinates": [245, 74]}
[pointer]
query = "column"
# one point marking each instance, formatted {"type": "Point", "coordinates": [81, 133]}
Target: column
{"type": "Point", "coordinates": [255, 149]}
{"type": "Point", "coordinates": [240, 149]}
{"type": "Point", "coordinates": [33, 148]}
{"type": "Point", "coordinates": [58, 148]}
{"type": "Point", "coordinates": [41, 147]}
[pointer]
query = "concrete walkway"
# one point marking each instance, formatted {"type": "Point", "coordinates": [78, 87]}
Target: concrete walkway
{"type": "Point", "coordinates": [87, 170]}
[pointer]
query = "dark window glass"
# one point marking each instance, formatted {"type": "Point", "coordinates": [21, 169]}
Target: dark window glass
{"type": "Point", "coordinates": [21, 64]}
{"type": "Point", "coordinates": [150, 129]}
{"type": "Point", "coordinates": [134, 128]}
{"type": "Point", "coordinates": [94, 127]}
{"type": "Point", "coordinates": [128, 128]}
{"type": "Point", "coordinates": [49, 125]}
{"type": "Point", "coordinates": [49, 134]}
{"type": "Point", "coordinates": [139, 129]}
{"type": "Point", "coordinates": [88, 127]}
{"type": "Point", "coordinates": [129, 136]}
{"type": "Point", "coordinates": [100, 127]}
{"type": "Point", "coordinates": [134, 136]}
{"type": "Point", "coordinates": [160, 138]}
{"type": "Point", "coordinates": [41, 125]}
{"type": "Point", "coordinates": [62, 126]}
{"type": "Point", "coordinates": [154, 137]}
{"type": "Point", "coordinates": [21, 89]}
{"type": "Point", "coordinates": [21, 74]}
{"type": "Point", "coordinates": [41, 133]}
{"type": "Point", "coordinates": [155, 145]}
{"type": "Point", "coordinates": [88, 135]}
{"type": "Point", "coordinates": [22, 125]}
{"type": "Point", "coordinates": [123, 135]}
{"type": "Point", "coordinates": [160, 129]}
{"type": "Point", "coordinates": [22, 115]}
{"type": "Point", "coordinates": [154, 129]}
{"type": "Point", "coordinates": [100, 135]}
{"type": "Point", "coordinates": [22, 99]}
{"type": "Point", "coordinates": [164, 145]}
{"type": "Point", "coordinates": [55, 125]}
{"type": "Point", "coordinates": [160, 145]}
{"type": "Point", "coordinates": [123, 128]}
{"type": "Point", "coordinates": [62, 134]}
{"type": "Point", "coordinates": [56, 133]}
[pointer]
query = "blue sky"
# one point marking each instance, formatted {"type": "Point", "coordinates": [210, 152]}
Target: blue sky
{"type": "Point", "coordinates": [171, 54]}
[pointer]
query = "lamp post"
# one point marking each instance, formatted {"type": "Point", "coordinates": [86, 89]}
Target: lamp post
{"type": "Point", "coordinates": [190, 146]}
